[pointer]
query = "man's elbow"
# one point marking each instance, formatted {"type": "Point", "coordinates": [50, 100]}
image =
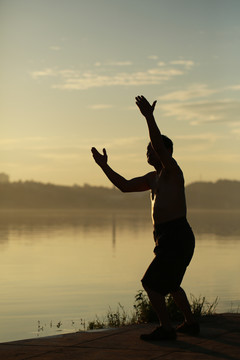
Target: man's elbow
{"type": "Point", "coordinates": [125, 188]}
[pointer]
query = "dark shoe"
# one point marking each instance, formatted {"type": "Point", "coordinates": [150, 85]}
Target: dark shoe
{"type": "Point", "coordinates": [190, 329]}
{"type": "Point", "coordinates": [159, 334]}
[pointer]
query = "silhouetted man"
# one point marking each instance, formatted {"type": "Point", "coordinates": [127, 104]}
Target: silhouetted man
{"type": "Point", "coordinates": [173, 236]}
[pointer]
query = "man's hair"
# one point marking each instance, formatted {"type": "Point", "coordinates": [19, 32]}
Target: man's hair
{"type": "Point", "coordinates": [167, 143]}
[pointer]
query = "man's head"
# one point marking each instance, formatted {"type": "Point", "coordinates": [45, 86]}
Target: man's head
{"type": "Point", "coordinates": [168, 143]}
{"type": "Point", "coordinates": [152, 157]}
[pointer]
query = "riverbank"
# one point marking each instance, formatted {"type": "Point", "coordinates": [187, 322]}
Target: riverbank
{"type": "Point", "coordinates": [219, 339]}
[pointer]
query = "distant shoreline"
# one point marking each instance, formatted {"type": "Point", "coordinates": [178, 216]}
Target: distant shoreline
{"type": "Point", "coordinates": [224, 194]}
{"type": "Point", "coordinates": [223, 222]}
{"type": "Point", "coordinates": [79, 210]}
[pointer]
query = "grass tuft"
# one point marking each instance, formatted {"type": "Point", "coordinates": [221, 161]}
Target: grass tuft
{"type": "Point", "coordinates": [144, 313]}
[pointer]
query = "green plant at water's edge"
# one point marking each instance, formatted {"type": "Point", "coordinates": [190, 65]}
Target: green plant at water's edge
{"type": "Point", "coordinates": [144, 313]}
{"type": "Point", "coordinates": [116, 318]}
{"type": "Point", "coordinates": [201, 307]}
{"type": "Point", "coordinates": [97, 324]}
{"type": "Point", "coordinates": [143, 309]}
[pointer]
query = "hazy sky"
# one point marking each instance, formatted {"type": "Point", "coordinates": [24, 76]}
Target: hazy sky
{"type": "Point", "coordinates": [70, 71]}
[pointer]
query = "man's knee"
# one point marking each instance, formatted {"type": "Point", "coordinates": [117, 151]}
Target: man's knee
{"type": "Point", "coordinates": [176, 292]}
{"type": "Point", "coordinates": [146, 288]}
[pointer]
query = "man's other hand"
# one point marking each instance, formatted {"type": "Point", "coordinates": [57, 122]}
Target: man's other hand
{"type": "Point", "coordinates": [101, 159]}
{"type": "Point", "coordinates": [144, 106]}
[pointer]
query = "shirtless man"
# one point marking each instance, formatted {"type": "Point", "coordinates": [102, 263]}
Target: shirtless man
{"type": "Point", "coordinates": [173, 236]}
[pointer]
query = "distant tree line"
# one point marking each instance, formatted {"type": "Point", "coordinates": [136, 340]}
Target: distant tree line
{"type": "Point", "coordinates": [4, 178]}
{"type": "Point", "coordinates": [223, 194]}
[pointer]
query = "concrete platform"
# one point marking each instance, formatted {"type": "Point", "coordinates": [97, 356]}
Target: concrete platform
{"type": "Point", "coordinates": [219, 339]}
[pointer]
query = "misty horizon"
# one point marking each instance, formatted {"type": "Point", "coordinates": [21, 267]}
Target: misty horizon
{"type": "Point", "coordinates": [6, 178]}
{"type": "Point", "coordinates": [223, 194]}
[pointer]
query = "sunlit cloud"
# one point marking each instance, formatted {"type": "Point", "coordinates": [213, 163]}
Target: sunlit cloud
{"type": "Point", "coordinates": [204, 111]}
{"type": "Point", "coordinates": [236, 131]}
{"type": "Point", "coordinates": [234, 87]}
{"type": "Point", "coordinates": [120, 63]}
{"type": "Point", "coordinates": [43, 73]}
{"type": "Point", "coordinates": [194, 91]}
{"type": "Point", "coordinates": [165, 72]}
{"type": "Point", "coordinates": [161, 63]}
{"type": "Point", "coordinates": [101, 76]}
{"type": "Point", "coordinates": [66, 73]}
{"type": "Point", "coordinates": [113, 63]}
{"type": "Point", "coordinates": [187, 63]}
{"type": "Point", "coordinates": [153, 57]}
{"type": "Point", "coordinates": [55, 48]}
{"type": "Point", "coordinates": [199, 143]}
{"type": "Point", "coordinates": [92, 80]}
{"type": "Point", "coordinates": [194, 104]}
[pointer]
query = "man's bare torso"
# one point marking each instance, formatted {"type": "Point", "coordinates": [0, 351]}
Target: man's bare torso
{"type": "Point", "coordinates": [167, 195]}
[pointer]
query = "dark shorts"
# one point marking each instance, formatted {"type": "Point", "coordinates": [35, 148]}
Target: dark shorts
{"type": "Point", "coordinates": [174, 249]}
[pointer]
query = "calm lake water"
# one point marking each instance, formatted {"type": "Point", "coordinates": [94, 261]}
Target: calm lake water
{"type": "Point", "coordinates": [59, 269]}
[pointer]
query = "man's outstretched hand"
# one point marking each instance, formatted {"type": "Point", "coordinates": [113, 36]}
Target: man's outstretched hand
{"type": "Point", "coordinates": [144, 106]}
{"type": "Point", "coordinates": [100, 159]}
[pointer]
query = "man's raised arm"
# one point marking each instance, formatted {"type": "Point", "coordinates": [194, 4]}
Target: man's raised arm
{"type": "Point", "coordinates": [136, 184]}
{"type": "Point", "coordinates": [154, 133]}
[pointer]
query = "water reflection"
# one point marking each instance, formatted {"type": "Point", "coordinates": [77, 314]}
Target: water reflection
{"type": "Point", "coordinates": [66, 265]}
{"type": "Point", "coordinates": [222, 223]}
{"type": "Point", "coordinates": [113, 232]}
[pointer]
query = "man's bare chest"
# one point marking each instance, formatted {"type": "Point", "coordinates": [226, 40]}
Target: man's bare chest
{"type": "Point", "coordinates": [160, 185]}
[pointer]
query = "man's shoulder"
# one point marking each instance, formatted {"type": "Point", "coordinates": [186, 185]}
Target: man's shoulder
{"type": "Point", "coordinates": [175, 168]}
{"type": "Point", "coordinates": [151, 177]}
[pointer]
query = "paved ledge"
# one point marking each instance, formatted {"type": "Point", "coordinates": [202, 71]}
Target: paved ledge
{"type": "Point", "coordinates": [219, 339]}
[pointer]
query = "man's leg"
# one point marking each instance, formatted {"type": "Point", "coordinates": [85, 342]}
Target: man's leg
{"type": "Point", "coordinates": [159, 305]}
{"type": "Point", "coordinates": [182, 302]}
{"type": "Point", "coordinates": [165, 331]}
{"type": "Point", "coordinates": [190, 326]}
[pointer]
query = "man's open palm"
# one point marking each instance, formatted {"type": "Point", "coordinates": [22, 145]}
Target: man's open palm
{"type": "Point", "coordinates": [144, 106]}
{"type": "Point", "coordinates": [101, 159]}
